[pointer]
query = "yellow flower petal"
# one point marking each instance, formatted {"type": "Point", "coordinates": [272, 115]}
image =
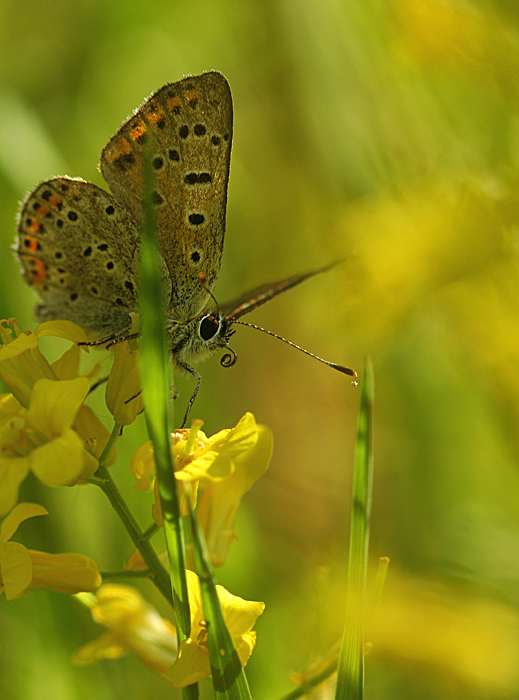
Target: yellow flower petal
{"type": "Point", "coordinates": [16, 569]}
{"type": "Point", "coordinates": [192, 665]}
{"type": "Point", "coordinates": [21, 512]}
{"type": "Point", "coordinates": [240, 616]}
{"type": "Point", "coordinates": [220, 500]}
{"type": "Point", "coordinates": [237, 439]}
{"type": "Point", "coordinates": [67, 367]}
{"type": "Point", "coordinates": [62, 461]}
{"type": "Point", "coordinates": [116, 604]}
{"type": "Point", "coordinates": [62, 329]}
{"type": "Point", "coordinates": [64, 573]}
{"type": "Point", "coordinates": [95, 436]}
{"type": "Point", "coordinates": [13, 471]}
{"type": "Point", "coordinates": [22, 364]}
{"type": "Point", "coordinates": [135, 562]}
{"type": "Point", "coordinates": [107, 646]}
{"type": "Point", "coordinates": [9, 407]}
{"type": "Point", "coordinates": [216, 462]}
{"type": "Point", "coordinates": [123, 390]}
{"type": "Point", "coordinates": [54, 404]}
{"type": "Point", "coordinates": [18, 345]}
{"type": "Point", "coordinates": [245, 646]}
{"type": "Point", "coordinates": [142, 465]}
{"type": "Point", "coordinates": [134, 625]}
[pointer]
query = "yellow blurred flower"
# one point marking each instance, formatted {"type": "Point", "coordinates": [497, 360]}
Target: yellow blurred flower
{"type": "Point", "coordinates": [192, 664]}
{"type": "Point", "coordinates": [415, 245]}
{"type": "Point", "coordinates": [447, 34]}
{"type": "Point", "coordinates": [469, 639]}
{"type": "Point", "coordinates": [133, 626]}
{"type": "Point", "coordinates": [23, 569]}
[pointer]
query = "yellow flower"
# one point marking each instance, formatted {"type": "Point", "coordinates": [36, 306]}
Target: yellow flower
{"type": "Point", "coordinates": [123, 382]}
{"type": "Point", "coordinates": [24, 569]}
{"type": "Point", "coordinates": [234, 456]}
{"type": "Point", "coordinates": [21, 362]}
{"type": "Point", "coordinates": [133, 626]}
{"type": "Point", "coordinates": [220, 500]}
{"type": "Point", "coordinates": [42, 439]}
{"type": "Point", "coordinates": [192, 664]}
{"type": "Point", "coordinates": [44, 426]}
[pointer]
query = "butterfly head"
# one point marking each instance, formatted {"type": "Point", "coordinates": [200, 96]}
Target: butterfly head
{"type": "Point", "coordinates": [200, 337]}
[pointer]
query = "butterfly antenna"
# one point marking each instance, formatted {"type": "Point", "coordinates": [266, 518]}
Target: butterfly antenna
{"type": "Point", "coordinates": [333, 365]}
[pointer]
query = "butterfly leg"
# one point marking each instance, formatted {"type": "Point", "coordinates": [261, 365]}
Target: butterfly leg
{"type": "Point", "coordinates": [97, 384]}
{"type": "Point", "coordinates": [109, 340]}
{"type": "Point", "coordinates": [195, 392]}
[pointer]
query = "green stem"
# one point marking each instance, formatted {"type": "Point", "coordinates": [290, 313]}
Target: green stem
{"type": "Point", "coordinates": [116, 430]}
{"type": "Point", "coordinates": [158, 573]}
{"type": "Point", "coordinates": [150, 531]}
{"type": "Point", "coordinates": [306, 688]}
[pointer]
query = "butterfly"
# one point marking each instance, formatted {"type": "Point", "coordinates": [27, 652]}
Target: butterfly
{"type": "Point", "coordinates": [78, 245]}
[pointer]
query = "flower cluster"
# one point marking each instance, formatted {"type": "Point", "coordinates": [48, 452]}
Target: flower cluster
{"type": "Point", "coordinates": [47, 429]}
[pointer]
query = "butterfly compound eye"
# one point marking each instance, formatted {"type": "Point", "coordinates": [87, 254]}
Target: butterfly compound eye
{"type": "Point", "coordinates": [209, 327]}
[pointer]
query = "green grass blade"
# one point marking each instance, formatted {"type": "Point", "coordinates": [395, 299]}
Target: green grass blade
{"type": "Point", "coordinates": [350, 677]}
{"type": "Point", "coordinates": [155, 388]}
{"type": "Point", "coordinates": [229, 679]}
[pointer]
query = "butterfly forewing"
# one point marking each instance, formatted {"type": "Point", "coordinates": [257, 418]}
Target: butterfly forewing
{"type": "Point", "coordinates": [191, 126]}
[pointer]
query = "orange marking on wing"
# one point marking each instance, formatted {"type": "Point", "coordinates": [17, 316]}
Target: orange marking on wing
{"type": "Point", "coordinates": [173, 102]}
{"type": "Point", "coordinates": [54, 200]}
{"type": "Point", "coordinates": [38, 274]}
{"type": "Point", "coordinates": [32, 244]}
{"type": "Point", "coordinates": [117, 149]}
{"type": "Point", "coordinates": [43, 210]}
{"type": "Point", "coordinates": [191, 95]}
{"type": "Point", "coordinates": [34, 226]}
{"type": "Point", "coordinates": [138, 131]}
{"type": "Point", "coordinates": [155, 115]}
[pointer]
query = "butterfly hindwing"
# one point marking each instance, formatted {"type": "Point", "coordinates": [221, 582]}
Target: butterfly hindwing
{"type": "Point", "coordinates": [73, 255]}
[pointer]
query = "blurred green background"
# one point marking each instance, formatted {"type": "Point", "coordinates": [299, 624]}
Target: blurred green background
{"type": "Point", "coordinates": [382, 132]}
